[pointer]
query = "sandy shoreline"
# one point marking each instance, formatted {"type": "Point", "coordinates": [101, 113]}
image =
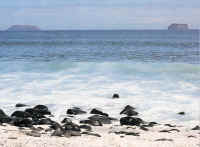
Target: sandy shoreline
{"type": "Point", "coordinates": [11, 136]}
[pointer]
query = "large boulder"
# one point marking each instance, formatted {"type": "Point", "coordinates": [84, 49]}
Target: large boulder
{"type": "Point", "coordinates": [95, 111]}
{"type": "Point", "coordinates": [42, 109]}
{"type": "Point", "coordinates": [20, 114]}
{"type": "Point", "coordinates": [4, 118]}
{"type": "Point", "coordinates": [22, 122]}
{"type": "Point", "coordinates": [129, 111]}
{"type": "Point", "coordinates": [75, 111]}
{"type": "Point", "coordinates": [132, 121]}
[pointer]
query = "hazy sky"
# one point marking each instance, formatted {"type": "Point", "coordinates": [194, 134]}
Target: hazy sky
{"type": "Point", "coordinates": [100, 14]}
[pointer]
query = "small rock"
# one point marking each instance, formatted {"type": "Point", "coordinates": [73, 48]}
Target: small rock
{"type": "Point", "coordinates": [86, 127]}
{"type": "Point", "coordinates": [181, 113]}
{"type": "Point", "coordinates": [95, 111]}
{"type": "Point", "coordinates": [33, 133]}
{"type": "Point", "coordinates": [169, 125]}
{"type": "Point", "coordinates": [102, 118]}
{"type": "Point", "coordinates": [4, 118]}
{"type": "Point", "coordinates": [66, 120]}
{"type": "Point", "coordinates": [127, 133]}
{"type": "Point", "coordinates": [143, 128]}
{"type": "Point", "coordinates": [133, 121]}
{"type": "Point", "coordinates": [91, 122]}
{"type": "Point", "coordinates": [115, 96]}
{"type": "Point", "coordinates": [20, 105]}
{"type": "Point", "coordinates": [191, 136]}
{"type": "Point", "coordinates": [164, 139]}
{"type": "Point", "coordinates": [92, 134]}
{"type": "Point", "coordinates": [75, 111]}
{"type": "Point", "coordinates": [58, 132]}
{"type": "Point", "coordinates": [12, 137]}
{"type": "Point", "coordinates": [129, 111]}
{"type": "Point", "coordinates": [196, 128]}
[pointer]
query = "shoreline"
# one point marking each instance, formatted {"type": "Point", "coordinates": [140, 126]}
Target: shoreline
{"type": "Point", "coordinates": [34, 127]}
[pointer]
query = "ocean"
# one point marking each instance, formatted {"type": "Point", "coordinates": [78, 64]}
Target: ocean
{"type": "Point", "coordinates": [156, 71]}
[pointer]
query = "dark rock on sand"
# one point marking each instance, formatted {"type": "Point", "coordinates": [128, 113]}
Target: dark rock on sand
{"type": "Point", "coordinates": [102, 118]}
{"type": "Point", "coordinates": [127, 133]}
{"type": "Point", "coordinates": [92, 134]}
{"type": "Point", "coordinates": [169, 125]}
{"type": "Point", "coordinates": [35, 114]}
{"type": "Point", "coordinates": [150, 124]}
{"type": "Point", "coordinates": [164, 139]}
{"type": "Point", "coordinates": [86, 127]}
{"type": "Point", "coordinates": [95, 111]}
{"type": "Point", "coordinates": [22, 122]}
{"type": "Point", "coordinates": [75, 111]}
{"type": "Point", "coordinates": [66, 120]}
{"type": "Point", "coordinates": [42, 109]}
{"type": "Point", "coordinates": [58, 132]}
{"type": "Point", "coordinates": [133, 121]}
{"type": "Point", "coordinates": [91, 122]}
{"type": "Point", "coordinates": [129, 111]}
{"type": "Point", "coordinates": [181, 113]}
{"type": "Point", "coordinates": [144, 128]}
{"type": "Point", "coordinates": [33, 134]}
{"type": "Point", "coordinates": [55, 126]}
{"type": "Point", "coordinates": [20, 114]}
{"type": "Point", "coordinates": [44, 121]}
{"type": "Point", "coordinates": [71, 127]}
{"type": "Point", "coordinates": [115, 96]}
{"type": "Point", "coordinates": [169, 131]}
{"type": "Point", "coordinates": [20, 105]}
{"type": "Point", "coordinates": [196, 128]}
{"type": "Point", "coordinates": [4, 118]}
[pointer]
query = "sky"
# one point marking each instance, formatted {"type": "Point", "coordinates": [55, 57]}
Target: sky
{"type": "Point", "coordinates": [99, 14]}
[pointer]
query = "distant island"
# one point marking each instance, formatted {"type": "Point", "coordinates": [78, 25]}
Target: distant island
{"type": "Point", "coordinates": [178, 27]}
{"type": "Point", "coordinates": [23, 28]}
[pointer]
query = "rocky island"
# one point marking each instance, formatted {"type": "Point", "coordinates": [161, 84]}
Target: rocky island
{"type": "Point", "coordinates": [178, 27]}
{"type": "Point", "coordinates": [23, 28]}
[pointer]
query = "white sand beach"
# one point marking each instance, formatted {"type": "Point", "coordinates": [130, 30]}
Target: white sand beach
{"type": "Point", "coordinates": [11, 136]}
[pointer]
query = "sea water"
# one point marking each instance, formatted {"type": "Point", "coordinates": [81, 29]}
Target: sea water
{"type": "Point", "coordinates": [158, 72]}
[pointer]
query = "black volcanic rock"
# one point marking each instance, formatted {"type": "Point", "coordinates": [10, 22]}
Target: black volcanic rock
{"type": "Point", "coordinates": [23, 28]}
{"type": "Point", "coordinates": [132, 121]}
{"type": "Point", "coordinates": [75, 111]}
{"type": "Point", "coordinates": [95, 111]}
{"type": "Point", "coordinates": [115, 96]}
{"type": "Point", "coordinates": [102, 118]}
{"type": "Point", "coordinates": [20, 105]}
{"type": "Point", "coordinates": [196, 128]}
{"type": "Point", "coordinates": [22, 122]}
{"type": "Point", "coordinates": [20, 114]}
{"type": "Point", "coordinates": [3, 117]}
{"type": "Point", "coordinates": [181, 113]}
{"type": "Point", "coordinates": [42, 109]}
{"type": "Point", "coordinates": [129, 111]}
{"type": "Point", "coordinates": [91, 122]}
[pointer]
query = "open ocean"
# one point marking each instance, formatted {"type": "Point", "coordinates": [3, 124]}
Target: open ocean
{"type": "Point", "coordinates": [158, 72]}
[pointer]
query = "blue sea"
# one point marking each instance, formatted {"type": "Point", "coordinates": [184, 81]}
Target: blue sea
{"type": "Point", "coordinates": [156, 71]}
